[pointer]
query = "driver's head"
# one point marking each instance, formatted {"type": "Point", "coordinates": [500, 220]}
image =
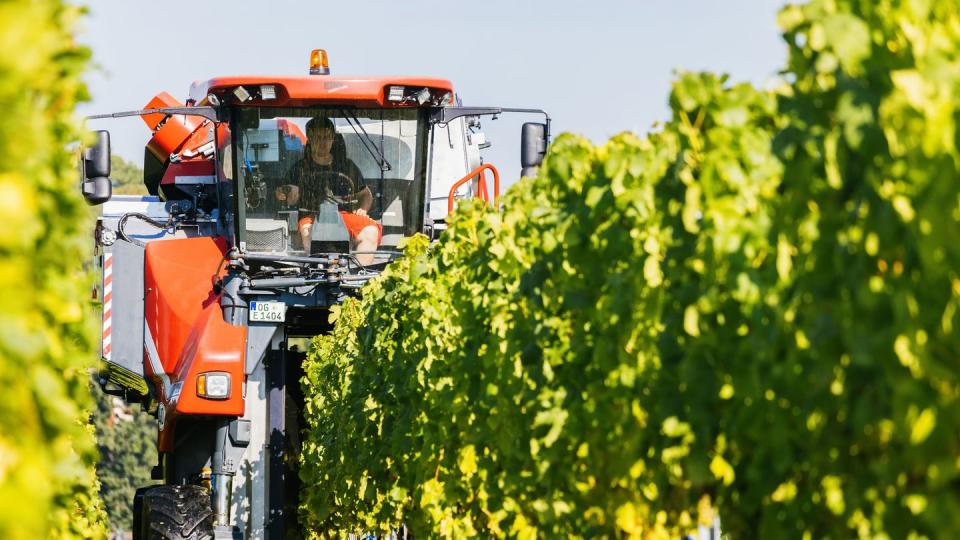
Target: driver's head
{"type": "Point", "coordinates": [320, 136]}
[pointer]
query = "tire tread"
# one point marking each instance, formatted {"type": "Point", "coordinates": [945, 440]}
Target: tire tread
{"type": "Point", "coordinates": [177, 513]}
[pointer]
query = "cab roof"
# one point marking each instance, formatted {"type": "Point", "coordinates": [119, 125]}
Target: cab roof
{"type": "Point", "coordinates": [315, 90]}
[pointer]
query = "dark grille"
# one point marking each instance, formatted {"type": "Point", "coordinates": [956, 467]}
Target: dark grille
{"type": "Point", "coordinates": [266, 235]}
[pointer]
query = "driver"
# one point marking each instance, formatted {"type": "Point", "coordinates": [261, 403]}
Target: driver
{"type": "Point", "coordinates": [326, 173]}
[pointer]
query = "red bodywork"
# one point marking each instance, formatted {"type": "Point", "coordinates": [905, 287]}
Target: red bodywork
{"type": "Point", "coordinates": [185, 323]}
{"type": "Point", "coordinates": [190, 138]}
{"type": "Point", "coordinates": [319, 90]}
{"type": "Point", "coordinates": [172, 132]}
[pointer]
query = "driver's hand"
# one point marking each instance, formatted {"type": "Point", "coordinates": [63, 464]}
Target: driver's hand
{"type": "Point", "coordinates": [360, 212]}
{"type": "Point", "coordinates": [289, 193]}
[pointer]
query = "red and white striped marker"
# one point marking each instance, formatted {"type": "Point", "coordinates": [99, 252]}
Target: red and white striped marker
{"type": "Point", "coordinates": [107, 303]}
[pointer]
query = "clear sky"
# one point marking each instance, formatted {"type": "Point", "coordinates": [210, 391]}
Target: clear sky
{"type": "Point", "coordinates": [597, 67]}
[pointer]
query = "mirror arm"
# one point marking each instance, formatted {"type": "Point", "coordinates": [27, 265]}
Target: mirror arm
{"type": "Point", "coordinates": [210, 113]}
{"type": "Point", "coordinates": [446, 114]}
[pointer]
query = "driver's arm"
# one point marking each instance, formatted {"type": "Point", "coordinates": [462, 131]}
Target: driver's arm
{"type": "Point", "coordinates": [364, 200]}
{"type": "Point", "coordinates": [290, 191]}
{"type": "Point", "coordinates": [364, 197]}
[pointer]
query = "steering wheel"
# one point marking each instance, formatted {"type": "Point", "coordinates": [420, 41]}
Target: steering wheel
{"type": "Point", "coordinates": [340, 187]}
{"type": "Point", "coordinates": [336, 183]}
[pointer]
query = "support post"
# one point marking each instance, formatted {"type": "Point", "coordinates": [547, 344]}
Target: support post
{"type": "Point", "coordinates": [221, 478]}
{"type": "Point", "coordinates": [276, 430]}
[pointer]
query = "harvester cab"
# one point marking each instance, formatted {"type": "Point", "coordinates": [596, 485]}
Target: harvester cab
{"type": "Point", "coordinates": [271, 200]}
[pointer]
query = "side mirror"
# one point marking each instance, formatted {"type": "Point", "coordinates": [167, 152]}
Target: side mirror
{"type": "Point", "coordinates": [95, 182]}
{"type": "Point", "coordinates": [533, 146]}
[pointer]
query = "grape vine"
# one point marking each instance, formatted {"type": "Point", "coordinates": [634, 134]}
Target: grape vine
{"type": "Point", "coordinates": [747, 313]}
{"type": "Point", "coordinates": [47, 451]}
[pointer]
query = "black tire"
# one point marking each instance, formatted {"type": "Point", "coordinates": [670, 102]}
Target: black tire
{"type": "Point", "coordinates": [138, 513]}
{"type": "Point", "coordinates": [176, 513]}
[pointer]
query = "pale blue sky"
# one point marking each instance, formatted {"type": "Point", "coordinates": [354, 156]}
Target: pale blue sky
{"type": "Point", "coordinates": [598, 67]}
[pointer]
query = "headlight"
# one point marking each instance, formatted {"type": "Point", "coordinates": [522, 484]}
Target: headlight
{"type": "Point", "coordinates": [395, 94]}
{"type": "Point", "coordinates": [213, 385]}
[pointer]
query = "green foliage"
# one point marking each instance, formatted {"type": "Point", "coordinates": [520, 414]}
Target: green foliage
{"type": "Point", "coordinates": [47, 486]}
{"type": "Point", "coordinates": [750, 311]}
{"type": "Point", "coordinates": [127, 178]}
{"type": "Point", "coordinates": [126, 439]}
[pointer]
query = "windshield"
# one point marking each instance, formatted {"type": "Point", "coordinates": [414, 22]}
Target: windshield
{"type": "Point", "coordinates": [325, 180]}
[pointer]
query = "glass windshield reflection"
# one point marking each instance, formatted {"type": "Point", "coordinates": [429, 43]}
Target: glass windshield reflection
{"type": "Point", "coordinates": [326, 180]}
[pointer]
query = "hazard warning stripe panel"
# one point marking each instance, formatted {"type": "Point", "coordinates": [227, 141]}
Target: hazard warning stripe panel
{"type": "Point", "coordinates": [107, 305]}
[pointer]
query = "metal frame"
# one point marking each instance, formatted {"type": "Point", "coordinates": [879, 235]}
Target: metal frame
{"type": "Point", "coordinates": [443, 115]}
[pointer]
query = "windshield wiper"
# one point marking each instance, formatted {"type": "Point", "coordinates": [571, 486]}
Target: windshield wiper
{"type": "Point", "coordinates": [368, 143]}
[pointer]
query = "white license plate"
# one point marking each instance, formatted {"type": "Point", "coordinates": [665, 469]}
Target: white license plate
{"type": "Point", "coordinates": [268, 311]}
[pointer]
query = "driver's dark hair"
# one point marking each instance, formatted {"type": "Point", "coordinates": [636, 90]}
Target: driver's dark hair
{"type": "Point", "coordinates": [319, 122]}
